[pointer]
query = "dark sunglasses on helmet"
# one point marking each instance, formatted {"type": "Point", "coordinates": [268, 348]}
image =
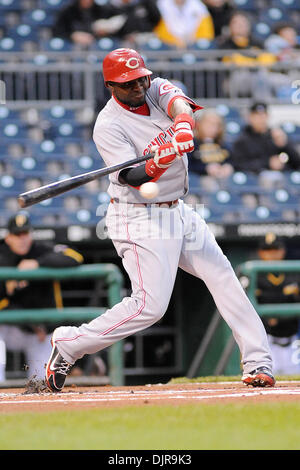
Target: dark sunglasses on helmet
{"type": "Point", "coordinates": [130, 84]}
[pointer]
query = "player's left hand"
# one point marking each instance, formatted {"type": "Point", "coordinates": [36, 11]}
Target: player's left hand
{"type": "Point", "coordinates": [183, 139]}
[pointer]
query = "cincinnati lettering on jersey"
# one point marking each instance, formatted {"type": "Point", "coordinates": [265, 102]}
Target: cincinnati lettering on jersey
{"type": "Point", "coordinates": [162, 138]}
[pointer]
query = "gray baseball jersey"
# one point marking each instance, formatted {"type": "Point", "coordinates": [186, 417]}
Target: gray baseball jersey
{"type": "Point", "coordinates": [153, 241]}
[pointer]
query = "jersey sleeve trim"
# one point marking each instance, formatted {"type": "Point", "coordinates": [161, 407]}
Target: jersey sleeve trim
{"type": "Point", "coordinates": [195, 107]}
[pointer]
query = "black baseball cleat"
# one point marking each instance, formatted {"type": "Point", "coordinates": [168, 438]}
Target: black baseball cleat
{"type": "Point", "coordinates": [260, 377]}
{"type": "Point", "coordinates": [57, 369]}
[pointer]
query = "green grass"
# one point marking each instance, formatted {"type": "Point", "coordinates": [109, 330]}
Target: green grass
{"type": "Point", "coordinates": [227, 378]}
{"type": "Point", "coordinates": [188, 427]}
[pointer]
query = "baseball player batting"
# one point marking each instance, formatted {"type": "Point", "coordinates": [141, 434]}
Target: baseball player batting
{"type": "Point", "coordinates": [155, 238]}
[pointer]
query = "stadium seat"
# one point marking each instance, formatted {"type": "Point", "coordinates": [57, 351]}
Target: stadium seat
{"type": "Point", "coordinates": [283, 197]}
{"type": "Point", "coordinates": [66, 130]}
{"type": "Point", "coordinates": [261, 214]}
{"type": "Point", "coordinates": [53, 4]}
{"type": "Point", "coordinates": [293, 181]}
{"type": "Point", "coordinates": [38, 17]}
{"type": "Point", "coordinates": [286, 4]}
{"type": "Point", "coordinates": [202, 45]}
{"type": "Point", "coordinates": [272, 16]}
{"type": "Point", "coordinates": [23, 32]}
{"type": "Point", "coordinates": [261, 30]}
{"type": "Point", "coordinates": [227, 198]}
{"type": "Point", "coordinates": [249, 5]}
{"type": "Point", "coordinates": [10, 5]}
{"type": "Point", "coordinates": [9, 114]}
{"type": "Point", "coordinates": [8, 44]}
{"type": "Point", "coordinates": [13, 131]}
{"type": "Point", "coordinates": [105, 44]}
{"type": "Point", "coordinates": [57, 113]}
{"type": "Point", "coordinates": [228, 112]}
{"type": "Point", "coordinates": [48, 148]}
{"type": "Point", "coordinates": [10, 184]}
{"type": "Point", "coordinates": [56, 45]}
{"type": "Point", "coordinates": [292, 130]}
{"type": "Point", "coordinates": [85, 163]}
{"type": "Point", "coordinates": [241, 182]}
{"type": "Point", "coordinates": [155, 44]}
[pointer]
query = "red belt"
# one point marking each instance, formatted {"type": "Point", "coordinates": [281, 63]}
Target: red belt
{"type": "Point", "coordinates": [167, 203]}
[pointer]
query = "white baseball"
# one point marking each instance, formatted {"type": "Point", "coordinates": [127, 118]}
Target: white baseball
{"type": "Point", "coordinates": [149, 190]}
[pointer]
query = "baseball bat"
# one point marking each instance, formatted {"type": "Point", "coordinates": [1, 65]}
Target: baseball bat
{"type": "Point", "coordinates": [48, 191]}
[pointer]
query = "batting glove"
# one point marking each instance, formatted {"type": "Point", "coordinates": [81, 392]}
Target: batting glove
{"type": "Point", "coordinates": [183, 139]}
{"type": "Point", "coordinates": [164, 156]}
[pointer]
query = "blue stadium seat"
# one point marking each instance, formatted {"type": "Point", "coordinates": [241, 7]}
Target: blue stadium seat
{"type": "Point", "coordinates": [228, 112]}
{"type": "Point", "coordinates": [241, 182]}
{"type": "Point", "coordinates": [23, 32]}
{"type": "Point", "coordinates": [30, 165]}
{"type": "Point", "coordinates": [261, 30]}
{"type": "Point", "coordinates": [155, 44]}
{"type": "Point", "coordinates": [48, 148]}
{"type": "Point", "coordinates": [261, 214]}
{"type": "Point", "coordinates": [85, 163]}
{"type": "Point", "coordinates": [8, 44]}
{"type": "Point", "coordinates": [67, 130]}
{"type": "Point", "coordinates": [38, 17]}
{"type": "Point", "coordinates": [53, 4]}
{"type": "Point", "coordinates": [13, 131]}
{"type": "Point", "coordinates": [10, 5]}
{"type": "Point", "coordinates": [56, 45]}
{"type": "Point", "coordinates": [41, 59]}
{"type": "Point", "coordinates": [10, 115]}
{"type": "Point", "coordinates": [283, 197]}
{"type": "Point", "coordinates": [286, 4]}
{"type": "Point", "coordinates": [292, 130]}
{"type": "Point", "coordinates": [202, 45]}
{"type": "Point", "coordinates": [194, 182]}
{"type": "Point", "coordinates": [293, 181]}
{"type": "Point", "coordinates": [105, 44]}
{"type": "Point", "coordinates": [226, 198]}
{"type": "Point", "coordinates": [274, 15]}
{"type": "Point", "coordinates": [187, 58]}
{"type": "Point", "coordinates": [249, 5]}
{"type": "Point", "coordinates": [10, 184]}
{"type": "Point", "coordinates": [57, 113]}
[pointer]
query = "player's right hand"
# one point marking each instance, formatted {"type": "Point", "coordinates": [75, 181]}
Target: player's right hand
{"type": "Point", "coordinates": [164, 155]}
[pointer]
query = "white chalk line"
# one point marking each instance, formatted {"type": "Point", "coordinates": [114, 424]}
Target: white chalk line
{"type": "Point", "coordinates": [112, 396]}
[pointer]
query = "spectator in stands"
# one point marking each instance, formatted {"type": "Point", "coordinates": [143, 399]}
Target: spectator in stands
{"type": "Point", "coordinates": [220, 11]}
{"type": "Point", "coordinates": [132, 18]}
{"type": "Point", "coordinates": [75, 22]}
{"type": "Point", "coordinates": [239, 34]}
{"type": "Point", "coordinates": [259, 147]}
{"type": "Point", "coordinates": [211, 156]}
{"type": "Point", "coordinates": [246, 52]}
{"type": "Point", "coordinates": [283, 43]}
{"type": "Point", "coordinates": [19, 249]}
{"type": "Point", "coordinates": [283, 288]}
{"type": "Point", "coordinates": [183, 22]}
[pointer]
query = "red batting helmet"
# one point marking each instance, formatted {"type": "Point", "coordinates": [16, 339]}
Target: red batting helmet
{"type": "Point", "coordinates": [124, 65]}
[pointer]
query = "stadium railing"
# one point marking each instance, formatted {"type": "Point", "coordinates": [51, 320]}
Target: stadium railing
{"type": "Point", "coordinates": [218, 348]}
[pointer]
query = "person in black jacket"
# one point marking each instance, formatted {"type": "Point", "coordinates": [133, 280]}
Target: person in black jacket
{"type": "Point", "coordinates": [260, 148]}
{"type": "Point", "coordinates": [75, 22]}
{"type": "Point", "coordinates": [84, 21]}
{"type": "Point", "coordinates": [279, 288]}
{"type": "Point", "coordinates": [211, 156]}
{"type": "Point", "coordinates": [19, 249]}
